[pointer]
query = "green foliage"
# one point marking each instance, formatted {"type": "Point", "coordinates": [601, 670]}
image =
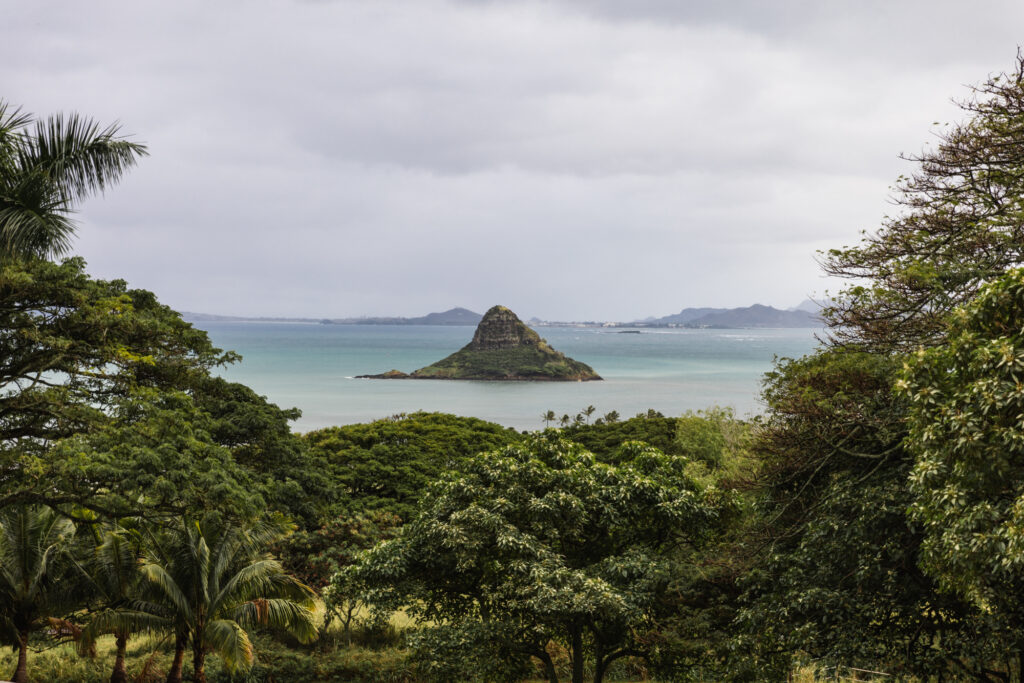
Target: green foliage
{"type": "Point", "coordinates": [713, 436]}
{"type": "Point", "coordinates": [275, 662]}
{"type": "Point", "coordinates": [525, 362]}
{"type": "Point", "coordinates": [839, 578]}
{"type": "Point", "coordinates": [33, 562]}
{"type": "Point", "coordinates": [387, 465]}
{"type": "Point", "coordinates": [604, 439]}
{"type": "Point", "coordinates": [69, 345]}
{"type": "Point", "coordinates": [45, 170]}
{"type": "Point", "coordinates": [106, 394]}
{"type": "Point", "coordinates": [155, 457]}
{"type": "Point", "coordinates": [967, 432]}
{"type": "Point", "coordinates": [315, 556]}
{"type": "Point", "coordinates": [542, 543]}
{"type": "Point", "coordinates": [962, 225]}
{"type": "Point", "coordinates": [259, 437]}
{"type": "Point", "coordinates": [209, 584]}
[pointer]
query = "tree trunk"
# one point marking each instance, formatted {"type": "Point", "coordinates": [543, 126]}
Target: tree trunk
{"type": "Point", "coordinates": [120, 674]}
{"type": "Point", "coordinates": [199, 664]}
{"type": "Point", "coordinates": [21, 673]}
{"type": "Point", "coordinates": [549, 666]}
{"type": "Point", "coordinates": [576, 633]}
{"type": "Point", "coordinates": [174, 675]}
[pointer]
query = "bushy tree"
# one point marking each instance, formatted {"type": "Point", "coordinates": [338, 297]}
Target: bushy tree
{"type": "Point", "coordinates": [105, 393]}
{"type": "Point", "coordinates": [967, 431]}
{"type": "Point", "coordinates": [605, 439]}
{"type": "Point", "coordinates": [838, 576]}
{"type": "Point", "coordinates": [841, 574]}
{"type": "Point", "coordinates": [961, 225]}
{"type": "Point", "coordinates": [542, 543]}
{"type": "Point", "coordinates": [386, 465]}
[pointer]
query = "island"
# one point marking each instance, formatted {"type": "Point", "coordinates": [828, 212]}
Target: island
{"type": "Point", "coordinates": [503, 349]}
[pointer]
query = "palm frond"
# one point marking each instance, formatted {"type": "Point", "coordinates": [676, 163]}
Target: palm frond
{"type": "Point", "coordinates": [297, 619]}
{"type": "Point", "coordinates": [34, 220]}
{"type": "Point", "coordinates": [231, 643]}
{"type": "Point", "coordinates": [161, 580]}
{"type": "Point", "coordinates": [263, 579]}
{"type": "Point", "coordinates": [12, 121]}
{"type": "Point", "coordinates": [123, 621]}
{"type": "Point", "coordinates": [78, 156]}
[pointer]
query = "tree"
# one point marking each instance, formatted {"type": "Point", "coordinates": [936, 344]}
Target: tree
{"type": "Point", "coordinates": [154, 458]}
{"type": "Point", "coordinates": [33, 540]}
{"type": "Point", "coordinates": [705, 435]}
{"type": "Point", "coordinates": [315, 556]}
{"type": "Point", "coordinates": [208, 582]}
{"type": "Point", "coordinates": [966, 431]}
{"type": "Point", "coordinates": [833, 450]}
{"type": "Point", "coordinates": [85, 362]}
{"type": "Point", "coordinates": [541, 543]}
{"type": "Point", "coordinates": [386, 465]}
{"type": "Point", "coordinates": [588, 412]}
{"type": "Point", "coordinates": [259, 437]}
{"type": "Point", "coordinates": [548, 418]}
{"type": "Point", "coordinates": [70, 346]}
{"type": "Point", "coordinates": [836, 573]}
{"type": "Point", "coordinates": [109, 569]}
{"type": "Point", "coordinates": [604, 440]}
{"type": "Point", "coordinates": [962, 226]}
{"type": "Point", "coordinates": [46, 168]}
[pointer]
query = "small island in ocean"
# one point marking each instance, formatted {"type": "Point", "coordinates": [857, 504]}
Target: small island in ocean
{"type": "Point", "coordinates": [503, 349]}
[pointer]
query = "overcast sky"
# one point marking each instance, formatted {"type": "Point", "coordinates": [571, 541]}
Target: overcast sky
{"type": "Point", "coordinates": [574, 159]}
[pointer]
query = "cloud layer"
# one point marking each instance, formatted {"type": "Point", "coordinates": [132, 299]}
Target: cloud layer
{"type": "Point", "coordinates": [572, 159]}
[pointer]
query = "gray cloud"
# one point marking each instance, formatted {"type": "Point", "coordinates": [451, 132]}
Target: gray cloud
{"type": "Point", "coordinates": [571, 159]}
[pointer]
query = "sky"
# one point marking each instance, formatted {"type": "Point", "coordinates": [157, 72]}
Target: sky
{"type": "Point", "coordinates": [569, 159]}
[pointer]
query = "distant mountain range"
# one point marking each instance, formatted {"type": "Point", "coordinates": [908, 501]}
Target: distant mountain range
{"type": "Point", "coordinates": [751, 316]}
{"type": "Point", "coordinates": [804, 315]}
{"type": "Point", "coordinates": [453, 316]}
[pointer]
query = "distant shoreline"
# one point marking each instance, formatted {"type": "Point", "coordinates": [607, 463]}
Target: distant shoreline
{"type": "Point", "coordinates": [612, 327]}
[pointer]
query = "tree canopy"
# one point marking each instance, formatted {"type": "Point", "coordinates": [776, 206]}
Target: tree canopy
{"type": "Point", "coordinates": [961, 225]}
{"type": "Point", "coordinates": [539, 543]}
{"type": "Point", "coordinates": [967, 432]}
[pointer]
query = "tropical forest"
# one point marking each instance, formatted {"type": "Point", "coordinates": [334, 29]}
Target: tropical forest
{"type": "Point", "coordinates": [159, 522]}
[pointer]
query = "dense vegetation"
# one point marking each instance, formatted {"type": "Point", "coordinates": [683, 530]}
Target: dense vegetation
{"type": "Point", "coordinates": [160, 523]}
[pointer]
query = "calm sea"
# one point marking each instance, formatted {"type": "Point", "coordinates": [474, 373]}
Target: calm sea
{"type": "Point", "coordinates": [313, 367]}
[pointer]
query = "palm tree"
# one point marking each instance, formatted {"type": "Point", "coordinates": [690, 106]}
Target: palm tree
{"type": "Point", "coordinates": [110, 572]}
{"type": "Point", "coordinates": [209, 582]}
{"type": "Point", "coordinates": [611, 416]}
{"type": "Point", "coordinates": [548, 418]}
{"type": "Point", "coordinates": [46, 169]}
{"type": "Point", "coordinates": [588, 411]}
{"type": "Point", "coordinates": [564, 420]}
{"type": "Point", "coordinates": [33, 540]}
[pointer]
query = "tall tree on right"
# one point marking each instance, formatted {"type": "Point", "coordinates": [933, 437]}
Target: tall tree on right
{"type": "Point", "coordinates": [840, 578]}
{"type": "Point", "coordinates": [961, 225]}
{"type": "Point", "coordinates": [966, 400]}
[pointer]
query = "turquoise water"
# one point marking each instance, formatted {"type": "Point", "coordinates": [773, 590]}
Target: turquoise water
{"type": "Point", "coordinates": [312, 367]}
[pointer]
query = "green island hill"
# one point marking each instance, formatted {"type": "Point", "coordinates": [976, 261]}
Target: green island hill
{"type": "Point", "coordinates": [503, 349]}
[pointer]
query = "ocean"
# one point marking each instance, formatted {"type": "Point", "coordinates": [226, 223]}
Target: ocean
{"type": "Point", "coordinates": [313, 367]}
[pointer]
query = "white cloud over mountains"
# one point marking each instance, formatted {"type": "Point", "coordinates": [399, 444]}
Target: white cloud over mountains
{"type": "Point", "coordinates": [581, 159]}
